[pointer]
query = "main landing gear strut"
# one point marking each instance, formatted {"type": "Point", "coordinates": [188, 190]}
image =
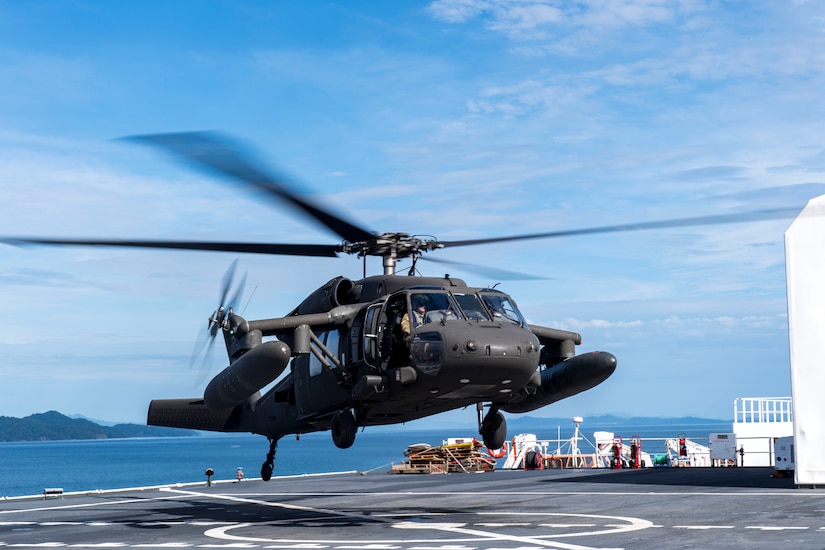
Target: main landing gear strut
{"type": "Point", "coordinates": [269, 465]}
{"type": "Point", "coordinates": [493, 428]}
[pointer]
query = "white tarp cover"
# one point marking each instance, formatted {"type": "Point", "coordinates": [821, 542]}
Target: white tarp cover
{"type": "Point", "coordinates": [805, 268]}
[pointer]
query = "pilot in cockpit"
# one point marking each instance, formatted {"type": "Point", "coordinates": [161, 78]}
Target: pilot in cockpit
{"type": "Point", "coordinates": [419, 310]}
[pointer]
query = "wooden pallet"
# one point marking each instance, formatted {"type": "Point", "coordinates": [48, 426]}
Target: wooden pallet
{"type": "Point", "coordinates": [407, 468]}
{"type": "Point", "coordinates": [456, 457]}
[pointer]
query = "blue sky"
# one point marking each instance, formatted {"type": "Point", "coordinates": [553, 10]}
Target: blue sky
{"type": "Point", "coordinates": [453, 118]}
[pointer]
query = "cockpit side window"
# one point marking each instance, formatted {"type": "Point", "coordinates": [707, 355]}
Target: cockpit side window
{"type": "Point", "coordinates": [471, 307]}
{"type": "Point", "coordinates": [503, 308]}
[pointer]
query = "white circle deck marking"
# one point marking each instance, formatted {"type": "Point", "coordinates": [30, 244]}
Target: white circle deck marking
{"type": "Point", "coordinates": [460, 531]}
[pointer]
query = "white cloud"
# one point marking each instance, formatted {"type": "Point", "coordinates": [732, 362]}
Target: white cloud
{"type": "Point", "coordinates": [616, 13]}
{"type": "Point", "coordinates": [579, 325]}
{"type": "Point", "coordinates": [725, 323]}
{"type": "Point", "coordinates": [524, 19]}
{"type": "Point", "coordinates": [459, 11]}
{"type": "Point", "coordinates": [498, 118]}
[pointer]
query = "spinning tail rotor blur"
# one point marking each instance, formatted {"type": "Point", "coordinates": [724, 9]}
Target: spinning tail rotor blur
{"type": "Point", "coordinates": [217, 322]}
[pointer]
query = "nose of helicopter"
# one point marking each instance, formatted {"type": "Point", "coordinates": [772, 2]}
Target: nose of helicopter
{"type": "Point", "coordinates": [478, 355]}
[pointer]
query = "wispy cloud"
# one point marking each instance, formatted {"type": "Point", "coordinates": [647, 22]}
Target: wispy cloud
{"type": "Point", "coordinates": [455, 118]}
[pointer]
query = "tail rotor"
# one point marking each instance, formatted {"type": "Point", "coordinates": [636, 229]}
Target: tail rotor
{"type": "Point", "coordinates": [218, 321]}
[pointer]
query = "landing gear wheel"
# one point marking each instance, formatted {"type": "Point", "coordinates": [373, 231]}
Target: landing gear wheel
{"type": "Point", "coordinates": [266, 471]}
{"type": "Point", "coordinates": [493, 429]}
{"type": "Point", "coordinates": [343, 429]}
{"type": "Point", "coordinates": [269, 465]}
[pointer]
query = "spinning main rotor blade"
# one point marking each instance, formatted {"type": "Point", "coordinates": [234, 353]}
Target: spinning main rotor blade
{"type": "Point", "coordinates": [322, 250]}
{"type": "Point", "coordinates": [717, 219]}
{"type": "Point", "coordinates": [225, 157]}
{"type": "Point", "coordinates": [221, 155]}
{"type": "Point", "coordinates": [488, 271]}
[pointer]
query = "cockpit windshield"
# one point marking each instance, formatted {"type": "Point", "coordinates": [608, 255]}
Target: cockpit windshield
{"type": "Point", "coordinates": [435, 306]}
{"type": "Point", "coordinates": [503, 308]}
{"type": "Point", "coordinates": [432, 307]}
{"type": "Point", "coordinates": [471, 307]}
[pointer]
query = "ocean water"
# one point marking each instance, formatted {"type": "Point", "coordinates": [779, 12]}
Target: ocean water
{"type": "Point", "coordinates": [26, 468]}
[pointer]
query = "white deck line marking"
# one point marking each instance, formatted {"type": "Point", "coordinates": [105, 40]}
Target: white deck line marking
{"type": "Point", "coordinates": [244, 500]}
{"type": "Point", "coordinates": [632, 524]}
{"type": "Point", "coordinates": [409, 514]}
{"type": "Point", "coordinates": [775, 528]}
{"type": "Point", "coordinates": [221, 533]}
{"type": "Point", "coordinates": [369, 547]}
{"type": "Point", "coordinates": [297, 546]}
{"type": "Point", "coordinates": [566, 525]}
{"type": "Point", "coordinates": [704, 527]}
{"type": "Point", "coordinates": [492, 524]}
{"type": "Point", "coordinates": [38, 545]}
{"type": "Point", "coordinates": [164, 545]}
{"type": "Point", "coordinates": [99, 545]}
{"type": "Point", "coordinates": [533, 542]}
{"type": "Point", "coordinates": [813, 493]}
{"type": "Point", "coordinates": [235, 545]}
{"type": "Point", "coordinates": [88, 505]}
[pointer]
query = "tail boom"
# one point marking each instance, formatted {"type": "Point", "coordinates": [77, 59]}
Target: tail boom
{"type": "Point", "coordinates": [193, 414]}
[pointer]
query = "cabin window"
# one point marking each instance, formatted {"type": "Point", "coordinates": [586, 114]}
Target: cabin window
{"type": "Point", "coordinates": [331, 341]}
{"type": "Point", "coordinates": [315, 366]}
{"type": "Point", "coordinates": [355, 338]}
{"type": "Point", "coordinates": [370, 339]}
{"type": "Point", "coordinates": [333, 345]}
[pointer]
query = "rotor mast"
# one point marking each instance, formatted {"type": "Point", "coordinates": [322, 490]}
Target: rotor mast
{"type": "Point", "coordinates": [390, 260]}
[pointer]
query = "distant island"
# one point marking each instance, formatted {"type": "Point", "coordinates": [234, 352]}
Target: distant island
{"type": "Point", "coordinates": [53, 426]}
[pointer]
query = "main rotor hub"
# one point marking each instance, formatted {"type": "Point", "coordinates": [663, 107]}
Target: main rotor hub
{"type": "Point", "coordinates": [391, 247]}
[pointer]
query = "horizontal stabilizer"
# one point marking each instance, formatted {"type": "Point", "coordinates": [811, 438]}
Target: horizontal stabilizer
{"type": "Point", "coordinates": [194, 415]}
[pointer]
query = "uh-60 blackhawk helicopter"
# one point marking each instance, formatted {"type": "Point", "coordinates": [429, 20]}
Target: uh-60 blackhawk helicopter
{"type": "Point", "coordinates": [384, 349]}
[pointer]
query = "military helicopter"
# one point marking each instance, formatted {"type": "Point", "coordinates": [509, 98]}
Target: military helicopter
{"type": "Point", "coordinates": [384, 349]}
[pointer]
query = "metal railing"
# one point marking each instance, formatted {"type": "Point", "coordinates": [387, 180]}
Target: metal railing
{"type": "Point", "coordinates": [750, 410]}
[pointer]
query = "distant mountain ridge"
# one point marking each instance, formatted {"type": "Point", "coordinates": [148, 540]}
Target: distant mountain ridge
{"type": "Point", "coordinates": [54, 426]}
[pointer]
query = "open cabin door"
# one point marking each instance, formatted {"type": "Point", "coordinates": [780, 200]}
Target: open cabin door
{"type": "Point", "coordinates": [384, 343]}
{"type": "Point", "coordinates": [317, 388]}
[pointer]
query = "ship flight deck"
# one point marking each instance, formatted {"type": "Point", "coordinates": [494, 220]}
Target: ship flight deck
{"type": "Point", "coordinates": [572, 509]}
